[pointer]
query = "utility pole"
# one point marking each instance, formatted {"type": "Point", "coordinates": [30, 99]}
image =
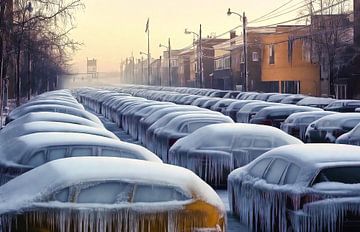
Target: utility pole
{"type": "Point", "coordinates": [160, 72]}
{"type": "Point", "coordinates": [169, 47]}
{"type": "Point", "coordinates": [201, 76]}
{"type": "Point", "coordinates": [148, 52]}
{"type": "Point", "coordinates": [142, 70]}
{"type": "Point", "coordinates": [245, 52]}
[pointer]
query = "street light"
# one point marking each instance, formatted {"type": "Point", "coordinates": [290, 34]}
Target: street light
{"type": "Point", "coordinates": [169, 56]}
{"type": "Point", "coordinates": [200, 60]}
{"type": "Point", "coordinates": [244, 22]}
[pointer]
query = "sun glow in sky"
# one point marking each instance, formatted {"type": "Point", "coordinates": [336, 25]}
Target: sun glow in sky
{"type": "Point", "coordinates": [112, 30]}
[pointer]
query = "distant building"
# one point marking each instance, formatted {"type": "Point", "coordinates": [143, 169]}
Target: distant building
{"type": "Point", "coordinates": [184, 67]}
{"type": "Point", "coordinates": [174, 68]}
{"type": "Point", "coordinates": [286, 60]}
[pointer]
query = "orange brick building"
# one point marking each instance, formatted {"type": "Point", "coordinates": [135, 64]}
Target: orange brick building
{"type": "Point", "coordinates": [287, 60]}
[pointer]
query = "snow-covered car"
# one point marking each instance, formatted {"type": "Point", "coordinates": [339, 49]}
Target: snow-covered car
{"type": "Point", "coordinates": [108, 194]}
{"type": "Point", "coordinates": [297, 123]}
{"type": "Point", "coordinates": [209, 103]}
{"type": "Point", "coordinates": [275, 115]}
{"type": "Point", "coordinates": [320, 102]}
{"type": "Point", "coordinates": [247, 95]}
{"type": "Point", "coordinates": [23, 153]}
{"type": "Point", "coordinates": [50, 102]}
{"type": "Point", "coordinates": [343, 105]}
{"type": "Point", "coordinates": [232, 94]}
{"type": "Point", "coordinates": [264, 96]}
{"type": "Point", "coordinates": [52, 108]}
{"type": "Point", "coordinates": [145, 123]}
{"type": "Point", "coordinates": [277, 98]}
{"type": "Point", "coordinates": [245, 114]}
{"type": "Point", "coordinates": [54, 117]}
{"type": "Point", "coordinates": [15, 130]}
{"type": "Point", "coordinates": [220, 106]}
{"type": "Point", "coordinates": [213, 151]}
{"type": "Point", "coordinates": [293, 99]}
{"type": "Point", "coordinates": [357, 110]}
{"type": "Point", "coordinates": [200, 101]}
{"type": "Point", "coordinates": [352, 137]}
{"type": "Point", "coordinates": [180, 126]}
{"type": "Point", "coordinates": [234, 107]}
{"type": "Point", "coordinates": [327, 129]}
{"type": "Point", "coordinates": [309, 187]}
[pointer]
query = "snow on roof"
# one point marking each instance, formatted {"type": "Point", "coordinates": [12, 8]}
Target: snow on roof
{"type": "Point", "coordinates": [315, 100]}
{"type": "Point", "coordinates": [12, 152]}
{"type": "Point", "coordinates": [227, 130]}
{"type": "Point", "coordinates": [340, 117]}
{"type": "Point", "coordinates": [17, 193]}
{"type": "Point", "coordinates": [17, 130]}
{"type": "Point", "coordinates": [317, 154]}
{"type": "Point", "coordinates": [55, 108]}
{"type": "Point", "coordinates": [311, 113]}
{"type": "Point", "coordinates": [53, 117]}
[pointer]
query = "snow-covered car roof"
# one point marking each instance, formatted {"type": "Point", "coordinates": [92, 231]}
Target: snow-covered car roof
{"type": "Point", "coordinates": [13, 152]}
{"type": "Point", "coordinates": [228, 130]}
{"type": "Point", "coordinates": [51, 102]}
{"type": "Point", "coordinates": [337, 119]}
{"type": "Point", "coordinates": [316, 114]}
{"type": "Point", "coordinates": [17, 193]}
{"type": "Point", "coordinates": [314, 156]}
{"type": "Point", "coordinates": [16, 130]}
{"type": "Point", "coordinates": [309, 101]}
{"type": "Point", "coordinates": [54, 117]}
{"type": "Point", "coordinates": [55, 108]}
{"type": "Point", "coordinates": [285, 109]}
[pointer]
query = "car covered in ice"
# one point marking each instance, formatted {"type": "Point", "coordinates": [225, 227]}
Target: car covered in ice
{"type": "Point", "coordinates": [343, 105]}
{"type": "Point", "coordinates": [234, 107]}
{"type": "Point", "coordinates": [277, 98]}
{"type": "Point", "coordinates": [309, 187]}
{"type": "Point", "coordinates": [213, 151]}
{"type": "Point", "coordinates": [108, 194]}
{"type": "Point", "coordinates": [320, 102]}
{"type": "Point", "coordinates": [180, 126]}
{"type": "Point", "coordinates": [52, 108]}
{"type": "Point", "coordinates": [23, 153]}
{"type": "Point", "coordinates": [55, 117]}
{"type": "Point", "coordinates": [293, 99]}
{"type": "Point", "coordinates": [297, 123]}
{"type": "Point", "coordinates": [327, 129]}
{"type": "Point", "coordinates": [220, 106]}
{"type": "Point", "coordinates": [276, 115]}
{"type": "Point", "coordinates": [352, 137]}
{"type": "Point", "coordinates": [245, 114]}
{"type": "Point", "coordinates": [19, 129]}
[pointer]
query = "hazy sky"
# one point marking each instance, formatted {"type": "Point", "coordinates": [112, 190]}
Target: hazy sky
{"type": "Point", "coordinates": [113, 29]}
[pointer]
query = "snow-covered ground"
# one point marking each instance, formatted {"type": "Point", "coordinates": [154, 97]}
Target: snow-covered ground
{"type": "Point", "coordinates": [233, 223]}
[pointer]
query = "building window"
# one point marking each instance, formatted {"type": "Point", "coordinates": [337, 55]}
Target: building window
{"type": "Point", "coordinates": [271, 54]}
{"type": "Point", "coordinates": [242, 57]}
{"type": "Point", "coordinates": [292, 87]}
{"type": "Point", "coordinates": [255, 56]}
{"type": "Point", "coordinates": [306, 51]}
{"type": "Point", "coordinates": [340, 91]}
{"type": "Point", "coordinates": [227, 62]}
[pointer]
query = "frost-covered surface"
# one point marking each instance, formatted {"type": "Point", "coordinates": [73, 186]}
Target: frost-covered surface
{"type": "Point", "coordinates": [54, 108]}
{"type": "Point", "coordinates": [53, 117]}
{"type": "Point", "coordinates": [352, 137]}
{"type": "Point", "coordinates": [10, 132]}
{"type": "Point", "coordinates": [265, 206]}
{"type": "Point", "coordinates": [315, 101]}
{"type": "Point", "coordinates": [17, 156]}
{"type": "Point", "coordinates": [213, 151]}
{"type": "Point", "coordinates": [30, 201]}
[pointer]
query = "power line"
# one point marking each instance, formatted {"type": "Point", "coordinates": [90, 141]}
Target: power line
{"type": "Point", "coordinates": [271, 12]}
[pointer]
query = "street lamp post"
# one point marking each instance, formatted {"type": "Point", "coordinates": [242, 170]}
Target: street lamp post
{"type": "Point", "coordinates": [169, 60]}
{"type": "Point", "coordinates": [148, 78]}
{"type": "Point", "coordinates": [200, 60]}
{"type": "Point", "coordinates": [244, 22]}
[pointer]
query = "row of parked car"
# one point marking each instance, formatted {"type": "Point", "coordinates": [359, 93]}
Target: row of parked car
{"type": "Point", "coordinates": [275, 181]}
{"type": "Point", "coordinates": [62, 170]}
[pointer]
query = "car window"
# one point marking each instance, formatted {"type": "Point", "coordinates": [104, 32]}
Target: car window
{"type": "Point", "coordinates": [275, 171]}
{"type": "Point", "coordinates": [349, 124]}
{"type": "Point", "coordinates": [37, 159]}
{"type": "Point", "coordinates": [291, 174]}
{"type": "Point", "coordinates": [307, 120]}
{"type": "Point", "coordinates": [84, 151]}
{"type": "Point", "coordinates": [259, 168]}
{"type": "Point", "coordinates": [154, 193]}
{"type": "Point", "coordinates": [62, 195]}
{"type": "Point", "coordinates": [105, 193]}
{"type": "Point", "coordinates": [243, 141]}
{"type": "Point", "coordinates": [262, 143]}
{"type": "Point", "coordinates": [56, 153]}
{"type": "Point", "coordinates": [346, 175]}
{"type": "Point", "coordinates": [111, 152]}
{"type": "Point", "coordinates": [196, 125]}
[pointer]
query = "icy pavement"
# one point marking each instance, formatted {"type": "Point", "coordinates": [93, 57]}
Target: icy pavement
{"type": "Point", "coordinates": [233, 223]}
